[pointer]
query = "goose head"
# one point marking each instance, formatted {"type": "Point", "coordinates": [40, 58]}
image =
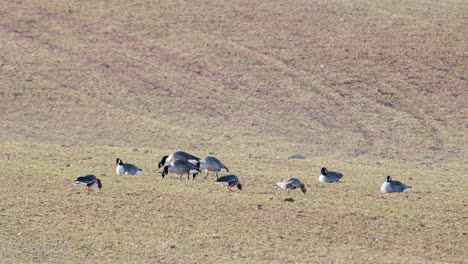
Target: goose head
{"type": "Point", "coordinates": [162, 162]}
{"type": "Point", "coordinates": [303, 189]}
{"type": "Point", "coordinates": [324, 171]}
{"type": "Point", "coordinates": [165, 171]}
{"type": "Point", "coordinates": [118, 161]}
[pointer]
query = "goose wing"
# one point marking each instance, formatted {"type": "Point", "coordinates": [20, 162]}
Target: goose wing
{"type": "Point", "coordinates": [228, 180]}
{"type": "Point", "coordinates": [295, 183]}
{"type": "Point", "coordinates": [335, 176]}
{"type": "Point", "coordinates": [184, 155]}
{"type": "Point", "coordinates": [398, 186]}
{"type": "Point", "coordinates": [86, 180]}
{"type": "Point", "coordinates": [212, 164]}
{"type": "Point", "coordinates": [132, 169]}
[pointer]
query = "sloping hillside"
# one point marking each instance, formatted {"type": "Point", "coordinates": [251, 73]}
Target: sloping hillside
{"type": "Point", "coordinates": [333, 78]}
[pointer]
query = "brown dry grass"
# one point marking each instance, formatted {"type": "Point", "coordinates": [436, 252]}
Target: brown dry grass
{"type": "Point", "coordinates": [146, 219]}
{"type": "Point", "coordinates": [350, 79]}
{"type": "Point", "coordinates": [370, 87]}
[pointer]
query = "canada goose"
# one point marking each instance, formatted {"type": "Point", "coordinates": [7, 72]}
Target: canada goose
{"type": "Point", "coordinates": [212, 164]}
{"type": "Point", "coordinates": [181, 167]}
{"type": "Point", "coordinates": [330, 176]}
{"type": "Point", "coordinates": [229, 181]}
{"type": "Point", "coordinates": [291, 184]}
{"type": "Point", "coordinates": [126, 168]}
{"type": "Point", "coordinates": [166, 160]}
{"type": "Point", "coordinates": [394, 186]}
{"type": "Point", "coordinates": [88, 181]}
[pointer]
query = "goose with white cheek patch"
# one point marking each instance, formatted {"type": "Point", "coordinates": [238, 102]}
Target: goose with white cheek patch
{"type": "Point", "coordinates": [329, 176]}
{"type": "Point", "coordinates": [391, 186]}
{"type": "Point", "coordinates": [178, 155]}
{"type": "Point", "coordinates": [291, 184]}
{"type": "Point", "coordinates": [229, 181]}
{"type": "Point", "coordinates": [181, 167]}
{"type": "Point", "coordinates": [212, 164]}
{"type": "Point", "coordinates": [88, 181]}
{"type": "Point", "coordinates": [126, 168]}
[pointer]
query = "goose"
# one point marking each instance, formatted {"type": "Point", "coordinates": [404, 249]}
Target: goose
{"type": "Point", "coordinates": [88, 181]}
{"type": "Point", "coordinates": [329, 176]}
{"type": "Point", "coordinates": [126, 168]}
{"type": "Point", "coordinates": [181, 167]}
{"type": "Point", "coordinates": [291, 184]}
{"type": "Point", "coordinates": [212, 164]}
{"type": "Point", "coordinates": [229, 181]}
{"type": "Point", "coordinates": [166, 160]}
{"type": "Point", "coordinates": [394, 186]}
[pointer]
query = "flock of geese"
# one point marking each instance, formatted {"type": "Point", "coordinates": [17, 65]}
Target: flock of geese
{"type": "Point", "coordinates": [182, 163]}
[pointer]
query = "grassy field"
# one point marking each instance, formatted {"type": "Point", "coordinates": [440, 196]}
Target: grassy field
{"type": "Point", "coordinates": [367, 88]}
{"type": "Point", "coordinates": [45, 218]}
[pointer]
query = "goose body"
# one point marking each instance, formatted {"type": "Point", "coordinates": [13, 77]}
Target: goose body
{"type": "Point", "coordinates": [181, 167]}
{"type": "Point", "coordinates": [329, 176]}
{"type": "Point", "coordinates": [291, 184]}
{"type": "Point", "coordinates": [390, 186]}
{"type": "Point", "coordinates": [178, 155]}
{"type": "Point", "coordinates": [229, 181]}
{"type": "Point", "coordinates": [126, 168]}
{"type": "Point", "coordinates": [88, 181]}
{"type": "Point", "coordinates": [212, 164]}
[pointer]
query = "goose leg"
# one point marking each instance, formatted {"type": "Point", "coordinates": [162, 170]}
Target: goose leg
{"type": "Point", "coordinates": [206, 174]}
{"type": "Point", "coordinates": [216, 175]}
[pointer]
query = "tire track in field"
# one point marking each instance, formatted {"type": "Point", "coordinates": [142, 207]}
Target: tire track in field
{"type": "Point", "coordinates": [318, 116]}
{"type": "Point", "coordinates": [116, 71]}
{"type": "Point", "coordinates": [53, 48]}
{"type": "Point", "coordinates": [326, 91]}
{"type": "Point", "coordinates": [390, 79]}
{"type": "Point", "coordinates": [215, 76]}
{"type": "Point", "coordinates": [408, 96]}
{"type": "Point", "coordinates": [133, 111]}
{"type": "Point", "coordinates": [299, 73]}
{"type": "Point", "coordinates": [187, 66]}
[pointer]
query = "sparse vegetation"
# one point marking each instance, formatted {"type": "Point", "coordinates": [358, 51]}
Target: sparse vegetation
{"type": "Point", "coordinates": [367, 88]}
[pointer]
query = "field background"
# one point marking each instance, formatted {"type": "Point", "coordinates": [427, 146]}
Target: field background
{"type": "Point", "coordinates": [368, 88]}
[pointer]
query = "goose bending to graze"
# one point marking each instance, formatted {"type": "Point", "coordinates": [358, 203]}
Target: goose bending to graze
{"type": "Point", "coordinates": [212, 164]}
{"type": "Point", "coordinates": [330, 176]}
{"type": "Point", "coordinates": [181, 167]}
{"type": "Point", "coordinates": [229, 181]}
{"type": "Point", "coordinates": [88, 181]}
{"type": "Point", "coordinates": [394, 186]}
{"type": "Point", "coordinates": [178, 155]}
{"type": "Point", "coordinates": [126, 168]}
{"type": "Point", "coordinates": [291, 184]}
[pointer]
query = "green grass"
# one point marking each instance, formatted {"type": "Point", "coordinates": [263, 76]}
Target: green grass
{"type": "Point", "coordinates": [45, 218]}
